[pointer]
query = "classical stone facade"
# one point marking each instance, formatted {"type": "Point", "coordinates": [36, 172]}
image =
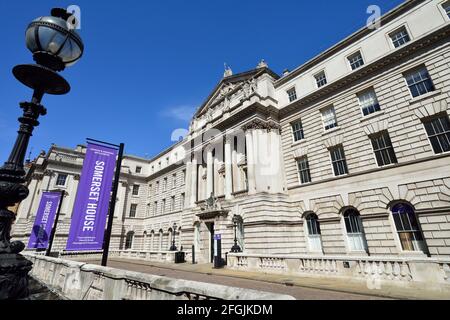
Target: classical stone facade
{"type": "Point", "coordinates": [346, 156]}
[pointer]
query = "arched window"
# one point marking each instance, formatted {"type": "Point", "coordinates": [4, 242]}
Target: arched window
{"type": "Point", "coordinates": [152, 240]}
{"type": "Point", "coordinates": [408, 228]}
{"type": "Point", "coordinates": [144, 241]}
{"type": "Point", "coordinates": [313, 228]}
{"type": "Point", "coordinates": [129, 240]}
{"type": "Point", "coordinates": [160, 240]}
{"type": "Point", "coordinates": [355, 232]}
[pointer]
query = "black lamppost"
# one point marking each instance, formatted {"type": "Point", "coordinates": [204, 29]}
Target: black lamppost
{"type": "Point", "coordinates": [236, 248]}
{"type": "Point", "coordinates": [174, 247]}
{"type": "Point", "coordinates": [54, 45]}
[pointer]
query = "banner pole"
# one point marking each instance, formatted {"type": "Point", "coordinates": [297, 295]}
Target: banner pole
{"type": "Point", "coordinates": [112, 207]}
{"type": "Point", "coordinates": [52, 234]}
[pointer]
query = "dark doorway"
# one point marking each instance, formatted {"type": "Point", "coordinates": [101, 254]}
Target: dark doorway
{"type": "Point", "coordinates": [211, 235]}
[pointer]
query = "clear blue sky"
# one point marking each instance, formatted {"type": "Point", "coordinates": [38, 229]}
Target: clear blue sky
{"type": "Point", "coordinates": [149, 64]}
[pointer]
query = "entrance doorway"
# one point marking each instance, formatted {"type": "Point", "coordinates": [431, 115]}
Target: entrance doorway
{"type": "Point", "coordinates": [210, 227]}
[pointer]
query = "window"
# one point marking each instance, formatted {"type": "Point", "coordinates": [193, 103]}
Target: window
{"type": "Point", "coordinates": [419, 82]}
{"type": "Point", "coordinates": [303, 170]}
{"type": "Point", "coordinates": [164, 186]}
{"type": "Point", "coordinates": [163, 206]}
{"type": "Point", "coordinates": [384, 151]}
{"type": "Point", "coordinates": [157, 187]}
{"type": "Point", "coordinates": [172, 203]}
{"type": "Point", "coordinates": [313, 226]}
{"type": "Point", "coordinates": [368, 102]}
{"type": "Point", "coordinates": [147, 211]}
{"type": "Point", "coordinates": [159, 165]}
{"type": "Point", "coordinates": [167, 161]}
{"type": "Point", "coordinates": [438, 130]}
{"type": "Point", "coordinates": [153, 169]}
{"type": "Point", "coordinates": [183, 176]}
{"type": "Point", "coordinates": [292, 94]}
{"type": "Point", "coordinates": [129, 240]}
{"type": "Point", "coordinates": [174, 181]}
{"type": "Point", "coordinates": [321, 79]}
{"type": "Point", "coordinates": [155, 208]}
{"type": "Point", "coordinates": [338, 160]}
{"type": "Point", "coordinates": [138, 169]}
{"type": "Point", "coordinates": [133, 209]}
{"type": "Point", "coordinates": [408, 229]}
{"type": "Point", "coordinates": [182, 200]}
{"type": "Point", "coordinates": [61, 180]}
{"type": "Point", "coordinates": [297, 131]}
{"type": "Point", "coordinates": [356, 60]}
{"type": "Point", "coordinates": [355, 234]}
{"type": "Point", "coordinates": [399, 37]}
{"type": "Point", "coordinates": [135, 190]}
{"type": "Point", "coordinates": [329, 118]}
{"type": "Point", "coordinates": [446, 7]}
{"type": "Point", "coordinates": [150, 188]}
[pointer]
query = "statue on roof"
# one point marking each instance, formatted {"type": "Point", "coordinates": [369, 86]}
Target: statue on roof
{"type": "Point", "coordinates": [262, 64]}
{"type": "Point", "coordinates": [228, 72]}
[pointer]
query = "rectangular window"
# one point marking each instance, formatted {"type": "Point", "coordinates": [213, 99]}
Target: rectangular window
{"type": "Point", "coordinates": [61, 180]}
{"type": "Point", "coordinates": [150, 187]}
{"type": "Point", "coordinates": [163, 206]}
{"type": "Point", "coordinates": [133, 209]}
{"type": "Point", "coordinates": [356, 60]}
{"type": "Point", "coordinates": [303, 170]}
{"type": "Point", "coordinates": [338, 160]}
{"type": "Point", "coordinates": [172, 203]}
{"type": "Point", "coordinates": [399, 37]}
{"type": "Point", "coordinates": [368, 102]}
{"type": "Point", "coordinates": [164, 186]}
{"type": "Point", "coordinates": [329, 118]}
{"type": "Point", "coordinates": [138, 169]}
{"type": "Point", "coordinates": [438, 130]}
{"type": "Point", "coordinates": [384, 151]}
{"type": "Point", "coordinates": [182, 200]}
{"type": "Point", "coordinates": [157, 187]}
{"type": "Point", "coordinates": [183, 176]}
{"type": "Point", "coordinates": [297, 131]}
{"type": "Point", "coordinates": [153, 169]}
{"type": "Point", "coordinates": [321, 79]}
{"type": "Point", "coordinates": [446, 7]}
{"type": "Point", "coordinates": [419, 82]}
{"type": "Point", "coordinates": [174, 181]}
{"type": "Point", "coordinates": [135, 190]}
{"type": "Point", "coordinates": [155, 208]}
{"type": "Point", "coordinates": [292, 95]}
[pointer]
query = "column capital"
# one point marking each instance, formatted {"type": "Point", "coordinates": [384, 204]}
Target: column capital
{"type": "Point", "coordinates": [258, 124]}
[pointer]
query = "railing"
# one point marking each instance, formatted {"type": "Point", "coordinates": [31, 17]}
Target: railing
{"type": "Point", "coordinates": [79, 281]}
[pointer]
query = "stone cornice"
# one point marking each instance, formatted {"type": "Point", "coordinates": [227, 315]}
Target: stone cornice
{"type": "Point", "coordinates": [258, 124]}
{"type": "Point", "coordinates": [392, 58]}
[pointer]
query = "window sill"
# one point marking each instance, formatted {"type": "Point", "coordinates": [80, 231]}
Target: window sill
{"type": "Point", "coordinates": [299, 142]}
{"type": "Point", "coordinates": [329, 131]}
{"type": "Point", "coordinates": [371, 116]}
{"type": "Point", "coordinates": [425, 96]}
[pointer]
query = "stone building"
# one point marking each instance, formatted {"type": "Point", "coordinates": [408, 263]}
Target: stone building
{"type": "Point", "coordinates": [345, 158]}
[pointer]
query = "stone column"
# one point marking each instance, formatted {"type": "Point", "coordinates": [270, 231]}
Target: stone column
{"type": "Point", "coordinates": [209, 173]}
{"type": "Point", "coordinates": [250, 162]}
{"type": "Point", "coordinates": [228, 169]}
{"type": "Point", "coordinates": [188, 184]}
{"type": "Point", "coordinates": [194, 178]}
{"type": "Point", "coordinates": [72, 195]}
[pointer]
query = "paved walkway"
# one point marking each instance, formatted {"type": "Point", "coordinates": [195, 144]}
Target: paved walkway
{"type": "Point", "coordinates": [299, 288]}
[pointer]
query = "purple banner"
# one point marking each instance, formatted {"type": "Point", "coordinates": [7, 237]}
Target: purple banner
{"type": "Point", "coordinates": [92, 202]}
{"type": "Point", "coordinates": [45, 218]}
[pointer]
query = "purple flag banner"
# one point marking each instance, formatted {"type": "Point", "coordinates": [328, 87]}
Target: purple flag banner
{"type": "Point", "coordinates": [91, 206]}
{"type": "Point", "coordinates": [45, 218]}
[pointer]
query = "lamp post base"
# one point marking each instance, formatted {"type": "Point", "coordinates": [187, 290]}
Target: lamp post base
{"type": "Point", "coordinates": [236, 249]}
{"type": "Point", "coordinates": [14, 270]}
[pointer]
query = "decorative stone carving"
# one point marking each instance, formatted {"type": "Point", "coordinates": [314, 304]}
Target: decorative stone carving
{"type": "Point", "coordinates": [258, 124]}
{"type": "Point", "coordinates": [262, 64]}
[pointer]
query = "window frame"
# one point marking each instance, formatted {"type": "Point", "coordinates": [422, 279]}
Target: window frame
{"type": "Point", "coordinates": [316, 80]}
{"type": "Point", "coordinates": [396, 31]}
{"type": "Point", "coordinates": [135, 187]}
{"type": "Point", "coordinates": [443, 10]}
{"type": "Point", "coordinates": [301, 131]}
{"type": "Point", "coordinates": [138, 170]}
{"type": "Point", "coordinates": [418, 69]}
{"type": "Point", "coordinates": [61, 174]}
{"type": "Point", "coordinates": [133, 213]}
{"type": "Point", "coordinates": [361, 107]}
{"type": "Point", "coordinates": [336, 124]}
{"type": "Point", "coordinates": [377, 135]}
{"type": "Point", "coordinates": [433, 118]}
{"type": "Point", "coordinates": [358, 52]}
{"type": "Point", "coordinates": [307, 169]}
{"type": "Point", "coordinates": [341, 146]}
{"type": "Point", "coordinates": [294, 90]}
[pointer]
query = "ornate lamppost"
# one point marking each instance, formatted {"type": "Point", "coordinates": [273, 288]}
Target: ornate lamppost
{"type": "Point", "coordinates": [236, 248]}
{"type": "Point", "coordinates": [54, 45]}
{"type": "Point", "coordinates": [174, 247]}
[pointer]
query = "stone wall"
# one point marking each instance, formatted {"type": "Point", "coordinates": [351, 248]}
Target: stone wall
{"type": "Point", "coordinates": [80, 281]}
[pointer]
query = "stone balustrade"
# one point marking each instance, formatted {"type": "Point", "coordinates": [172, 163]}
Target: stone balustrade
{"type": "Point", "coordinates": [409, 272]}
{"type": "Point", "coordinates": [80, 281]}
